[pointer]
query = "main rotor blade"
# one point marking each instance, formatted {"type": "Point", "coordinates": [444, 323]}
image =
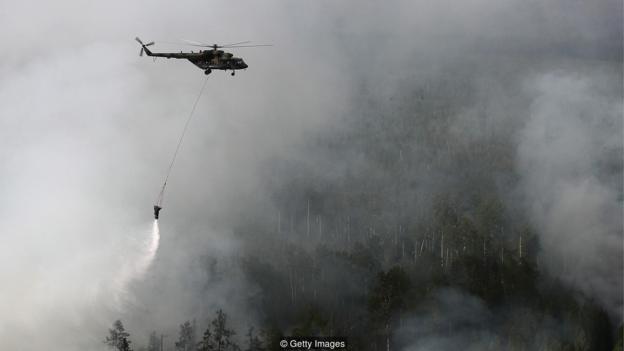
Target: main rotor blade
{"type": "Point", "coordinates": [205, 46]}
{"type": "Point", "coordinates": [233, 45]}
{"type": "Point", "coordinates": [242, 42]}
{"type": "Point", "coordinates": [194, 43]}
{"type": "Point", "coordinates": [249, 46]}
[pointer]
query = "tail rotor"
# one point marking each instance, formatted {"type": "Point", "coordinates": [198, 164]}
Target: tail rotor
{"type": "Point", "coordinates": [143, 46]}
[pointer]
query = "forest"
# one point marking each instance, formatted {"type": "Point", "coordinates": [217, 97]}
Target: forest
{"type": "Point", "coordinates": [398, 232]}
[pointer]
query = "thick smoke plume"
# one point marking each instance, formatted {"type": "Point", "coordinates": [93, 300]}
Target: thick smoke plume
{"type": "Point", "coordinates": [570, 156]}
{"type": "Point", "coordinates": [87, 128]}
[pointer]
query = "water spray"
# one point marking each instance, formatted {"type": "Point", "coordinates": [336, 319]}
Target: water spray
{"type": "Point", "coordinates": [136, 268]}
{"type": "Point", "coordinates": [150, 250]}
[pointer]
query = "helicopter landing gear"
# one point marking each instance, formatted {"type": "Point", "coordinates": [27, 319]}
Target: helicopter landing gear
{"type": "Point", "coordinates": [207, 72]}
{"type": "Point", "coordinates": [233, 72]}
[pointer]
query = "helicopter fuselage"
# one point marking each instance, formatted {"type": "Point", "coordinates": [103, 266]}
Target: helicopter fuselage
{"type": "Point", "coordinates": [205, 59]}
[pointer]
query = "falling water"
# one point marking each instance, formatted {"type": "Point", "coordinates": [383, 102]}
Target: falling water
{"type": "Point", "coordinates": [136, 269]}
{"type": "Point", "coordinates": [149, 253]}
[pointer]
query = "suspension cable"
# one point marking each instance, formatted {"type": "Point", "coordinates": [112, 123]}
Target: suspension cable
{"type": "Point", "coordinates": [161, 195]}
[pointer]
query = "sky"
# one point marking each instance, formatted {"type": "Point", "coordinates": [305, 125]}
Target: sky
{"type": "Point", "coordinates": [87, 129]}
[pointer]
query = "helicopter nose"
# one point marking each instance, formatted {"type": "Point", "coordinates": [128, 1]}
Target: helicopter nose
{"type": "Point", "coordinates": [243, 64]}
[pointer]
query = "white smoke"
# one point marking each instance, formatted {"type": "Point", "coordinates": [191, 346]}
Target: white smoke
{"type": "Point", "coordinates": [568, 156]}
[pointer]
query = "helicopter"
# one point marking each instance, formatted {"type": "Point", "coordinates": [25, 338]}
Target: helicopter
{"type": "Point", "coordinates": [205, 59]}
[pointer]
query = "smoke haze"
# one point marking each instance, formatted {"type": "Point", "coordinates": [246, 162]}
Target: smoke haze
{"type": "Point", "coordinates": [87, 129]}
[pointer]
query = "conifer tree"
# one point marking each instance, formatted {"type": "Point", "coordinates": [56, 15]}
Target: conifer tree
{"type": "Point", "coordinates": [118, 337]}
{"type": "Point", "coordinates": [186, 338]}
